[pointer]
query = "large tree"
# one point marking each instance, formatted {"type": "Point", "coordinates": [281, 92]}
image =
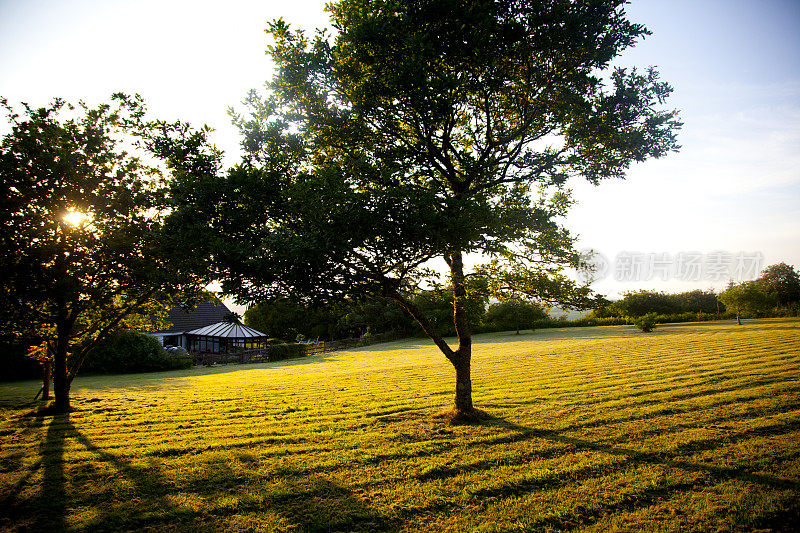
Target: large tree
{"type": "Point", "coordinates": [84, 250]}
{"type": "Point", "coordinates": [433, 130]}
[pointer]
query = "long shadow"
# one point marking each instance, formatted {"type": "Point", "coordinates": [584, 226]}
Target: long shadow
{"type": "Point", "coordinates": [669, 410]}
{"type": "Point", "coordinates": [139, 496]}
{"type": "Point", "coordinates": [671, 458]}
{"type": "Point", "coordinates": [580, 516]}
{"type": "Point", "coordinates": [47, 510]}
{"type": "Point", "coordinates": [318, 504]}
{"type": "Point", "coordinates": [51, 507]}
{"type": "Point", "coordinates": [61, 489]}
{"type": "Point", "coordinates": [517, 436]}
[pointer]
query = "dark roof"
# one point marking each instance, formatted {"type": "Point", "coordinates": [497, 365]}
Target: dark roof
{"type": "Point", "coordinates": [228, 330]}
{"type": "Point", "coordinates": [205, 314]}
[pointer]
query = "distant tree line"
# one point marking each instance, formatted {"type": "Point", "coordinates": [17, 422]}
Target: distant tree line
{"type": "Point", "coordinates": [775, 293]}
{"type": "Point", "coordinates": [638, 303]}
{"type": "Point", "coordinates": [290, 320]}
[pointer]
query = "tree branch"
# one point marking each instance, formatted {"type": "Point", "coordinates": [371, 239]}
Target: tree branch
{"type": "Point", "coordinates": [423, 321]}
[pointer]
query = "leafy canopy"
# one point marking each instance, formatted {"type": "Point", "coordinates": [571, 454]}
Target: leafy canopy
{"type": "Point", "coordinates": [433, 129]}
{"type": "Point", "coordinates": [84, 251]}
{"type": "Point", "coordinates": [783, 282]}
{"type": "Point", "coordinates": [514, 314]}
{"type": "Point", "coordinates": [747, 298]}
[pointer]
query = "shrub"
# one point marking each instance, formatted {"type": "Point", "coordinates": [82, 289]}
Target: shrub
{"type": "Point", "coordinates": [513, 315]}
{"type": "Point", "coordinates": [131, 352]}
{"type": "Point", "coordinates": [646, 322]}
{"type": "Point", "coordinates": [279, 352]}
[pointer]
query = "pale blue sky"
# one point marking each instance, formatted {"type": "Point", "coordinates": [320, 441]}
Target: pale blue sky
{"type": "Point", "coordinates": [735, 66]}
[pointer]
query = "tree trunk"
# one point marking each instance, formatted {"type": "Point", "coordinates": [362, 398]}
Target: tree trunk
{"type": "Point", "coordinates": [462, 356]}
{"type": "Point", "coordinates": [47, 369]}
{"type": "Point", "coordinates": [738, 320]}
{"type": "Point", "coordinates": [463, 401]}
{"type": "Point", "coordinates": [61, 380]}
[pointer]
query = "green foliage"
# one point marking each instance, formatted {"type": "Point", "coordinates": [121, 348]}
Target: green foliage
{"type": "Point", "coordinates": [513, 315]}
{"type": "Point", "coordinates": [437, 305]}
{"type": "Point", "coordinates": [131, 352]}
{"type": "Point", "coordinates": [426, 131]}
{"type": "Point", "coordinates": [287, 319]}
{"type": "Point", "coordinates": [698, 301]}
{"type": "Point", "coordinates": [783, 282]}
{"type": "Point", "coordinates": [279, 352]}
{"type": "Point", "coordinates": [748, 299]}
{"type": "Point", "coordinates": [433, 146]}
{"type": "Point", "coordinates": [647, 322]}
{"type": "Point", "coordinates": [638, 303]}
{"type": "Point", "coordinates": [635, 304]}
{"type": "Point", "coordinates": [374, 315]}
{"type": "Point", "coordinates": [74, 280]}
{"type": "Point", "coordinates": [587, 321]}
{"type": "Point", "coordinates": [280, 318]}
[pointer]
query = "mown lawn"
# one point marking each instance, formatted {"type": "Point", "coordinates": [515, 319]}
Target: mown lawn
{"type": "Point", "coordinates": [694, 427]}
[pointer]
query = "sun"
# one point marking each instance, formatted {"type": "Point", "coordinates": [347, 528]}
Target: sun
{"type": "Point", "coordinates": [76, 218]}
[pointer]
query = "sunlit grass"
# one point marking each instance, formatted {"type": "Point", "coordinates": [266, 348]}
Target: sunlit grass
{"type": "Point", "coordinates": [691, 427]}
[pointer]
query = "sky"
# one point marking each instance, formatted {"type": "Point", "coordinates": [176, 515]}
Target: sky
{"type": "Point", "coordinates": [725, 206]}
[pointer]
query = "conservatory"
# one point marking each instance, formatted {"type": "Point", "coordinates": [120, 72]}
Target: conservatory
{"type": "Point", "coordinates": [224, 337]}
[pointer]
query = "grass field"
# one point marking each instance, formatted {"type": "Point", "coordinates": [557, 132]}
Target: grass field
{"type": "Point", "coordinates": [694, 427]}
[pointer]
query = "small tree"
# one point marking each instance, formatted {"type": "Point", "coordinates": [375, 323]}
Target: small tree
{"type": "Point", "coordinates": [646, 323]}
{"type": "Point", "coordinates": [42, 354]}
{"type": "Point", "coordinates": [84, 249]}
{"type": "Point", "coordinates": [747, 298]}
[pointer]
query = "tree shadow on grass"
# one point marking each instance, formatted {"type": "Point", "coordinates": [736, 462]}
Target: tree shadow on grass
{"type": "Point", "coordinates": [668, 458]}
{"type": "Point", "coordinates": [64, 487]}
{"type": "Point", "coordinates": [582, 517]}
{"type": "Point", "coordinates": [52, 504]}
{"type": "Point", "coordinates": [115, 494]}
{"type": "Point", "coordinates": [11, 507]}
{"type": "Point", "coordinates": [658, 494]}
{"type": "Point", "coordinates": [318, 504]}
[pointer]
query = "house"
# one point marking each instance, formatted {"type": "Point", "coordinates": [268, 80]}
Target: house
{"type": "Point", "coordinates": [185, 319]}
